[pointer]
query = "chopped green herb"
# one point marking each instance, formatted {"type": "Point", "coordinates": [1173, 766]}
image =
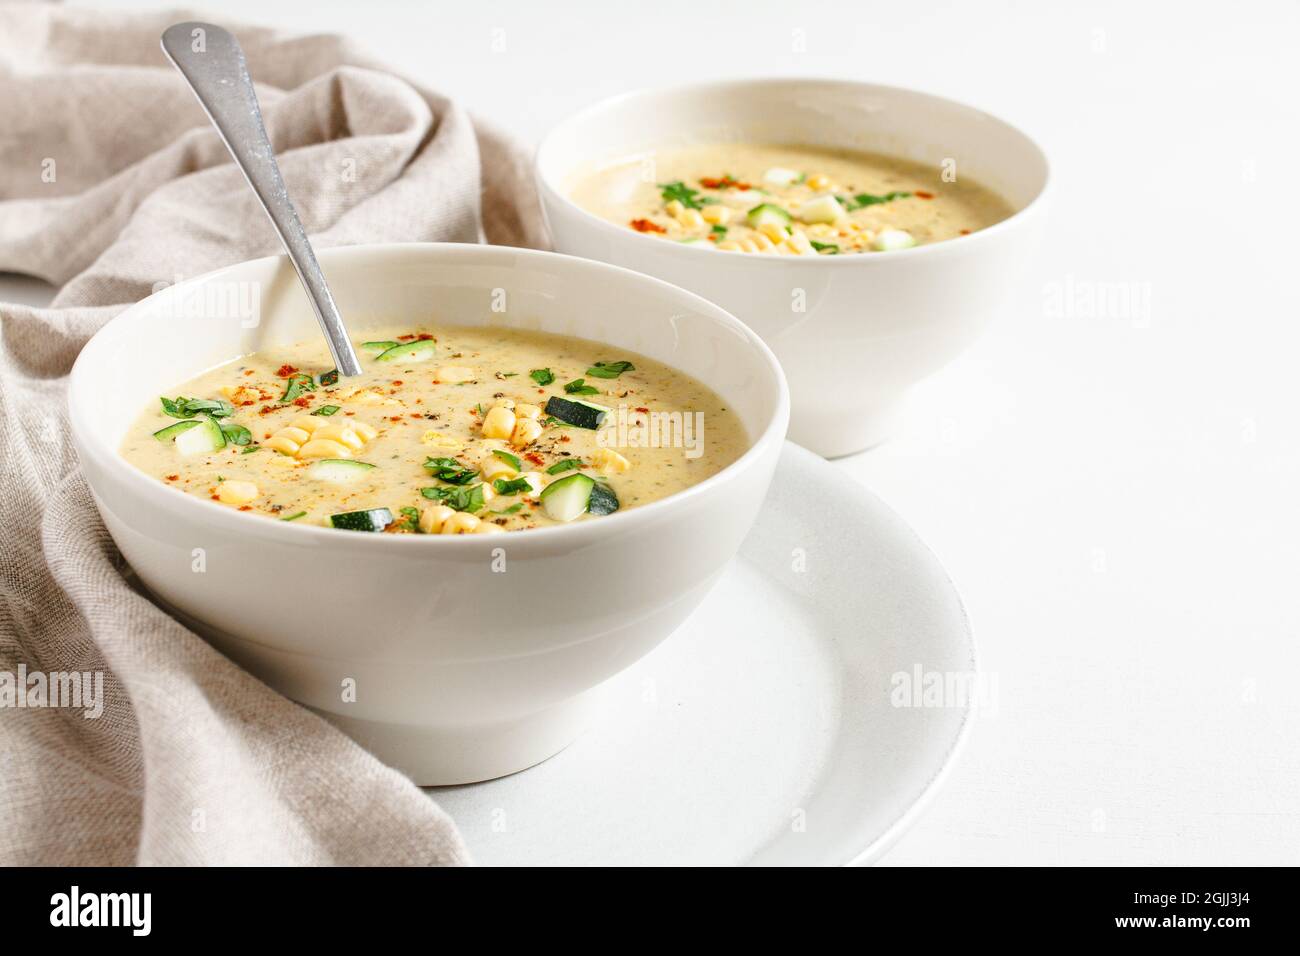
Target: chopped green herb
{"type": "Point", "coordinates": [481, 410]}
{"type": "Point", "coordinates": [609, 369]}
{"type": "Point", "coordinates": [511, 486]}
{"type": "Point", "coordinates": [719, 230]}
{"type": "Point", "coordinates": [450, 470]}
{"type": "Point", "coordinates": [542, 376]}
{"type": "Point", "coordinates": [550, 421]}
{"type": "Point", "coordinates": [461, 498]}
{"type": "Point", "coordinates": [326, 410]}
{"type": "Point", "coordinates": [511, 460]}
{"type": "Point", "coordinates": [511, 510]}
{"type": "Point", "coordinates": [250, 449]}
{"type": "Point", "coordinates": [295, 385]}
{"type": "Point", "coordinates": [867, 199]}
{"type": "Point", "coordinates": [189, 407]}
{"type": "Point", "coordinates": [578, 387]}
{"type": "Point", "coordinates": [506, 374]}
{"type": "Point", "coordinates": [823, 246]}
{"type": "Point", "coordinates": [678, 190]}
{"type": "Point", "coordinates": [294, 517]}
{"type": "Point", "coordinates": [237, 434]}
{"type": "Point", "coordinates": [410, 519]}
{"type": "Point", "coordinates": [560, 467]}
{"type": "Point", "coordinates": [329, 378]}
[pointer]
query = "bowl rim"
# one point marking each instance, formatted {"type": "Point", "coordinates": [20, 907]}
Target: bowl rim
{"type": "Point", "coordinates": [551, 192]}
{"type": "Point", "coordinates": [767, 441]}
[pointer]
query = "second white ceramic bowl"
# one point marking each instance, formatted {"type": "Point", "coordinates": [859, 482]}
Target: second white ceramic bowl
{"type": "Point", "coordinates": [852, 332]}
{"type": "Point", "coordinates": [453, 658]}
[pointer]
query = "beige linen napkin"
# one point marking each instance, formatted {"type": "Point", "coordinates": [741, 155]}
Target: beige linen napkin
{"type": "Point", "coordinates": [112, 182]}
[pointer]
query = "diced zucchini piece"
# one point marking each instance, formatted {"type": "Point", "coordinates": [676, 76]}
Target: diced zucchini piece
{"type": "Point", "coordinates": [421, 350]}
{"type": "Point", "coordinates": [203, 440]}
{"type": "Point", "coordinates": [890, 239]}
{"type": "Point", "coordinates": [373, 519]}
{"type": "Point", "coordinates": [174, 429]}
{"type": "Point", "coordinates": [822, 209]}
{"type": "Point", "coordinates": [765, 213]}
{"type": "Point", "coordinates": [603, 501]}
{"type": "Point", "coordinates": [374, 348]}
{"type": "Point", "coordinates": [338, 471]}
{"type": "Point", "coordinates": [567, 498]}
{"type": "Point", "coordinates": [579, 414]}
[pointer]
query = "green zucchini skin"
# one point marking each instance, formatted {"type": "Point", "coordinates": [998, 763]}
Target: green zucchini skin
{"type": "Point", "coordinates": [767, 212]}
{"type": "Point", "coordinates": [420, 350]}
{"type": "Point", "coordinates": [174, 429]}
{"type": "Point", "coordinates": [372, 519]}
{"type": "Point", "coordinates": [568, 498]}
{"type": "Point", "coordinates": [603, 501]}
{"type": "Point", "coordinates": [338, 471]}
{"type": "Point", "coordinates": [206, 438]}
{"type": "Point", "coordinates": [578, 414]}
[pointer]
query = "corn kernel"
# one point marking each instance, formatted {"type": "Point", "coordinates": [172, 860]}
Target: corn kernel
{"type": "Point", "coordinates": [799, 243]}
{"type": "Point", "coordinates": [525, 410]}
{"type": "Point", "coordinates": [673, 208]}
{"type": "Point", "coordinates": [324, 448]}
{"type": "Point", "coordinates": [460, 523]}
{"type": "Point", "coordinates": [526, 431]}
{"type": "Point", "coordinates": [433, 517]}
{"type": "Point", "coordinates": [718, 215]}
{"type": "Point", "coordinates": [293, 434]}
{"type": "Point", "coordinates": [609, 462]}
{"type": "Point", "coordinates": [236, 492]}
{"type": "Point", "coordinates": [774, 232]}
{"type": "Point", "coordinates": [437, 439]}
{"type": "Point", "coordinates": [286, 446]}
{"type": "Point", "coordinates": [499, 422]}
{"type": "Point", "coordinates": [690, 218]}
{"type": "Point", "coordinates": [367, 432]}
{"type": "Point", "coordinates": [343, 434]}
{"type": "Point", "coordinates": [819, 181]}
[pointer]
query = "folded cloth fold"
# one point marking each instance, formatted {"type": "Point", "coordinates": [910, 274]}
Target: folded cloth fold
{"type": "Point", "coordinates": [112, 184]}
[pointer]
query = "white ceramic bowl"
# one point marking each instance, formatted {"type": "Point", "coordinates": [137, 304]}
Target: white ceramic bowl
{"type": "Point", "coordinates": [852, 332]}
{"type": "Point", "coordinates": [470, 656]}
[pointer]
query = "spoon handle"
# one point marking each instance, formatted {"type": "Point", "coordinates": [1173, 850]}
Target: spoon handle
{"type": "Point", "coordinates": [213, 64]}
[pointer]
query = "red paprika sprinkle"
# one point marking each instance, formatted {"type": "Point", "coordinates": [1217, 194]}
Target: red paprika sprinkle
{"type": "Point", "coordinates": [924, 195]}
{"type": "Point", "coordinates": [645, 225]}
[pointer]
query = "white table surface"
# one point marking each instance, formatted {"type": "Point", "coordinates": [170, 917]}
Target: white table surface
{"type": "Point", "coordinates": [1113, 489]}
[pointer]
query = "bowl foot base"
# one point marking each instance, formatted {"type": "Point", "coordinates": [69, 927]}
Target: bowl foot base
{"type": "Point", "coordinates": [831, 437]}
{"type": "Point", "coordinates": [447, 755]}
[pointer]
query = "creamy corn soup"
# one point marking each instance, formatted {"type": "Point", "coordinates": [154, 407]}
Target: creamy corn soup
{"type": "Point", "coordinates": [452, 431]}
{"type": "Point", "coordinates": [787, 200]}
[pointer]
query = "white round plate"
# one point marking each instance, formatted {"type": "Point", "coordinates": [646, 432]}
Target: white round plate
{"type": "Point", "coordinates": [779, 725]}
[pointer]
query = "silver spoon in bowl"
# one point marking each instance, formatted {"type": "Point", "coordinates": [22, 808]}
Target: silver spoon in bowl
{"type": "Point", "coordinates": [213, 64]}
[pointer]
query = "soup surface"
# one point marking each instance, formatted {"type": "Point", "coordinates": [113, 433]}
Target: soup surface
{"type": "Point", "coordinates": [452, 431]}
{"type": "Point", "coordinates": [787, 200]}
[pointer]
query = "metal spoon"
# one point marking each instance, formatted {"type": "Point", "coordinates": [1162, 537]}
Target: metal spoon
{"type": "Point", "coordinates": [213, 64]}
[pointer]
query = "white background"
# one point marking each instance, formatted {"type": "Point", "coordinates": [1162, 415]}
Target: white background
{"type": "Point", "coordinates": [1113, 489]}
